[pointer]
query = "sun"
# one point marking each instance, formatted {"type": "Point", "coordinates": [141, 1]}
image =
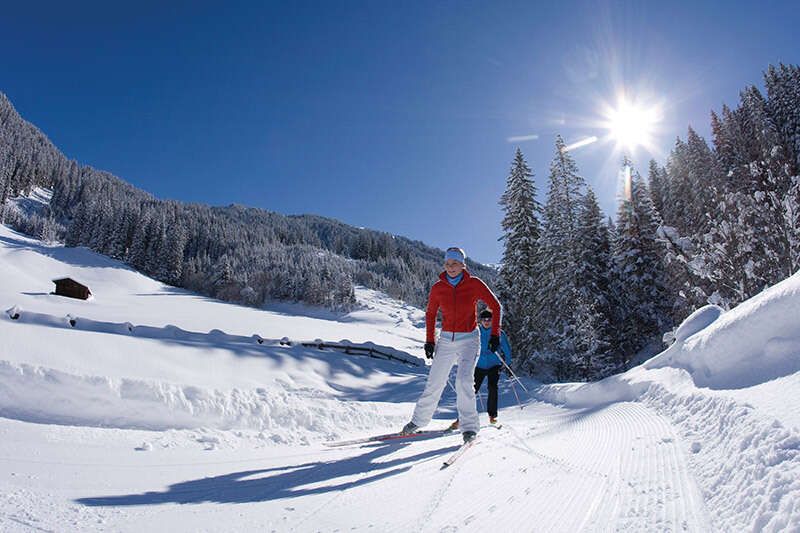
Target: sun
{"type": "Point", "coordinates": [632, 125]}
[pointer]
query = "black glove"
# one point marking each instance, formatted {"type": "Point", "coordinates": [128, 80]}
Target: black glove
{"type": "Point", "coordinates": [429, 347]}
{"type": "Point", "coordinates": [494, 343]}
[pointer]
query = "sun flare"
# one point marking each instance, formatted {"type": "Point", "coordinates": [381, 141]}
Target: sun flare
{"type": "Point", "coordinates": [632, 125]}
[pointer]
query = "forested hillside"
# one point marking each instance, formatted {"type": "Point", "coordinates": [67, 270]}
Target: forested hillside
{"type": "Point", "coordinates": [235, 253]}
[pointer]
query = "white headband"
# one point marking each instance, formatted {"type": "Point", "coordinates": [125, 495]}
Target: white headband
{"type": "Point", "coordinates": [455, 254]}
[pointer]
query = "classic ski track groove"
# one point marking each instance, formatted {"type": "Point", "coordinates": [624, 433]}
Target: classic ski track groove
{"type": "Point", "coordinates": [637, 479]}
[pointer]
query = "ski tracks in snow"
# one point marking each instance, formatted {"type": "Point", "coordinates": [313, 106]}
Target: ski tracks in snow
{"type": "Point", "coordinates": [648, 486]}
{"type": "Point", "coordinates": [622, 468]}
{"type": "Point", "coordinates": [619, 467]}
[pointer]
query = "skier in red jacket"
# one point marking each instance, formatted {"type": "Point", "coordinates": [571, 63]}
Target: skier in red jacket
{"type": "Point", "coordinates": [456, 294]}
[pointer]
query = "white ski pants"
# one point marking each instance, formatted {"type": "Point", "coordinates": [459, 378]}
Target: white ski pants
{"type": "Point", "coordinates": [464, 352]}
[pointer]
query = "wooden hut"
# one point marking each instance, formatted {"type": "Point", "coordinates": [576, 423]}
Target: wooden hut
{"type": "Point", "coordinates": [72, 289]}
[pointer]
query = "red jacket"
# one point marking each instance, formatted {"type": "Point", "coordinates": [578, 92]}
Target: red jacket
{"type": "Point", "coordinates": [458, 305]}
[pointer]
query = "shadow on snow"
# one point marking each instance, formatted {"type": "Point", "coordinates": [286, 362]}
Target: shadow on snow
{"type": "Point", "coordinates": [281, 482]}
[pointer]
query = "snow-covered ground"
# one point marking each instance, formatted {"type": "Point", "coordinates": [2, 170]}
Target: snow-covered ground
{"type": "Point", "coordinates": [151, 408]}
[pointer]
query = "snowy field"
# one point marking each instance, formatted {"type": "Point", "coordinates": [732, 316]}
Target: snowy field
{"type": "Point", "coordinates": [149, 408]}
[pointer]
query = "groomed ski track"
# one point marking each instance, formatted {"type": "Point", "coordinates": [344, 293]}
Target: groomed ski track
{"type": "Point", "coordinates": [619, 467]}
{"type": "Point", "coordinates": [615, 468]}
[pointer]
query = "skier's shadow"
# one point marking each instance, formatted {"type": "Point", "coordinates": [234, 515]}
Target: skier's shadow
{"type": "Point", "coordinates": [280, 482]}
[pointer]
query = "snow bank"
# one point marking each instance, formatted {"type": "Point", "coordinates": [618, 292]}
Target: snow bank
{"type": "Point", "coordinates": [755, 342]}
{"type": "Point", "coordinates": [748, 465]}
{"type": "Point", "coordinates": [50, 396]}
{"type": "Point", "coordinates": [698, 321]}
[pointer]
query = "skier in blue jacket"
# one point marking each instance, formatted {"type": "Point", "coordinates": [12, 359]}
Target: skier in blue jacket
{"type": "Point", "coordinates": [489, 364]}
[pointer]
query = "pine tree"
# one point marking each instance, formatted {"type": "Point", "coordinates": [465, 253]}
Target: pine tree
{"type": "Point", "coordinates": [7, 163]}
{"type": "Point", "coordinates": [517, 275]}
{"type": "Point", "coordinates": [701, 183]}
{"type": "Point", "coordinates": [639, 271]}
{"type": "Point", "coordinates": [748, 245]}
{"type": "Point", "coordinates": [172, 260]}
{"type": "Point", "coordinates": [590, 358]}
{"type": "Point", "coordinates": [593, 314]}
{"type": "Point", "coordinates": [659, 184]}
{"type": "Point", "coordinates": [791, 223]}
{"type": "Point", "coordinates": [557, 290]}
{"type": "Point", "coordinates": [678, 251]}
{"type": "Point", "coordinates": [79, 225]}
{"type": "Point", "coordinates": [137, 254]}
{"type": "Point", "coordinates": [674, 211]}
{"type": "Point", "coordinates": [771, 174]}
{"type": "Point", "coordinates": [783, 90]}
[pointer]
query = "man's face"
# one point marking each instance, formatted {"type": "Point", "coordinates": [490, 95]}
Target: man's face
{"type": "Point", "coordinates": [453, 267]}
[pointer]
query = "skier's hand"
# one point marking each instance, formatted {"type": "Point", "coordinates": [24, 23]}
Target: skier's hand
{"type": "Point", "coordinates": [429, 347]}
{"type": "Point", "coordinates": [494, 343]}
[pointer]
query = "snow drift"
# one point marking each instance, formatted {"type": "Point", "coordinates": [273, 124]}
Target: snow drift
{"type": "Point", "coordinates": [717, 384]}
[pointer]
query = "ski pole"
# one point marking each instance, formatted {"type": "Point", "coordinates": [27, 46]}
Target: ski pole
{"type": "Point", "coordinates": [513, 388]}
{"type": "Point", "coordinates": [511, 372]}
{"type": "Point", "coordinates": [513, 375]}
{"type": "Point", "coordinates": [480, 398]}
{"type": "Point", "coordinates": [451, 386]}
{"type": "Point", "coordinates": [456, 392]}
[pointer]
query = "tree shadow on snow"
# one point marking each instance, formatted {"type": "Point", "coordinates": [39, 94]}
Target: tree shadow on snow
{"type": "Point", "coordinates": [277, 483]}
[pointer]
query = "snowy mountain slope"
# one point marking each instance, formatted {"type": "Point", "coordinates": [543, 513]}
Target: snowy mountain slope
{"type": "Point", "coordinates": [185, 422]}
{"type": "Point", "coordinates": [153, 357]}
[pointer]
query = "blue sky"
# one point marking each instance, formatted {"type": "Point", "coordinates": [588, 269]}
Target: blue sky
{"type": "Point", "coordinates": [392, 116]}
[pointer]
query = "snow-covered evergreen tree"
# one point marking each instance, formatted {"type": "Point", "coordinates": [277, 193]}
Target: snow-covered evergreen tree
{"type": "Point", "coordinates": [593, 317]}
{"type": "Point", "coordinates": [677, 210]}
{"type": "Point", "coordinates": [173, 257]}
{"type": "Point", "coordinates": [683, 288]}
{"type": "Point", "coordinates": [659, 186]}
{"type": "Point", "coordinates": [748, 245]}
{"type": "Point", "coordinates": [701, 183]}
{"type": "Point", "coordinates": [783, 90]}
{"type": "Point", "coordinates": [517, 277]}
{"type": "Point", "coordinates": [791, 223]}
{"type": "Point", "coordinates": [558, 286]}
{"type": "Point", "coordinates": [639, 271]}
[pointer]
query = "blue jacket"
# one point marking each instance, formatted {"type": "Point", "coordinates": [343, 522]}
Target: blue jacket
{"type": "Point", "coordinates": [487, 359]}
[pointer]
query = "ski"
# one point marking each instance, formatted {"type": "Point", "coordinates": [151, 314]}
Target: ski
{"type": "Point", "coordinates": [459, 452]}
{"type": "Point", "coordinates": [388, 437]}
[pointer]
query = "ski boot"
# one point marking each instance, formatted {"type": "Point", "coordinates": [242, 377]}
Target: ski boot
{"type": "Point", "coordinates": [469, 436]}
{"type": "Point", "coordinates": [409, 428]}
{"type": "Point", "coordinates": [493, 420]}
{"type": "Point", "coordinates": [454, 425]}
